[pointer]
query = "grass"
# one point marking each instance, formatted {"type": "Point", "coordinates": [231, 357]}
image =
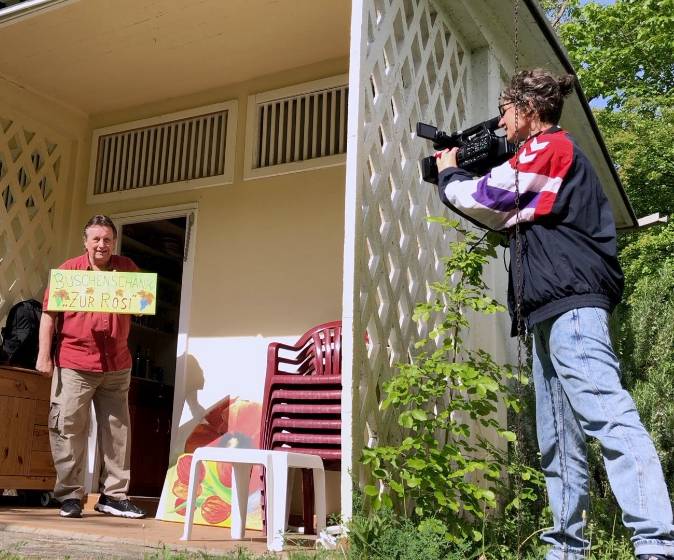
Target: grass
{"type": "Point", "coordinates": [240, 554]}
{"type": "Point", "coordinates": [603, 548]}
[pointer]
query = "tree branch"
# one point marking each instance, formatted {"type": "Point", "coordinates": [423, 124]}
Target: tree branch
{"type": "Point", "coordinates": [561, 10]}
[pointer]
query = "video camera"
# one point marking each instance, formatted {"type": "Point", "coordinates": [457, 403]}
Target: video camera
{"type": "Point", "coordinates": [480, 148]}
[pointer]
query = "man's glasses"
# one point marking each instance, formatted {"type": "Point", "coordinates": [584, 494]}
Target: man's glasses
{"type": "Point", "coordinates": [502, 108]}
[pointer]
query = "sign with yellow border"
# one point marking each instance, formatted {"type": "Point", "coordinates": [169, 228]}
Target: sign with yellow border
{"type": "Point", "coordinates": [106, 292]}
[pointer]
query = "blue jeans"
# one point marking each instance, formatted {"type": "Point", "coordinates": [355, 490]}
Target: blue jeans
{"type": "Point", "coordinates": [578, 394]}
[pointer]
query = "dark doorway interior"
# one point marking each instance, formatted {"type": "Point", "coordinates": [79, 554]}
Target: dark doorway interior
{"type": "Point", "coordinates": [156, 246]}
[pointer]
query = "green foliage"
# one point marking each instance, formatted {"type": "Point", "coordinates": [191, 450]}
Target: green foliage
{"type": "Point", "coordinates": [649, 254]}
{"type": "Point", "coordinates": [390, 536]}
{"type": "Point", "coordinates": [166, 553]}
{"type": "Point", "coordinates": [240, 553]}
{"type": "Point", "coordinates": [559, 11]}
{"type": "Point", "coordinates": [623, 53]}
{"type": "Point", "coordinates": [645, 336]}
{"type": "Point", "coordinates": [443, 475]}
{"type": "Point", "coordinates": [639, 137]}
{"type": "Point", "coordinates": [623, 49]}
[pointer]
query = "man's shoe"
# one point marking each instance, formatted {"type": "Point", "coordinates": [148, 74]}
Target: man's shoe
{"type": "Point", "coordinates": [71, 508]}
{"type": "Point", "coordinates": [653, 557]}
{"type": "Point", "coordinates": [118, 508]}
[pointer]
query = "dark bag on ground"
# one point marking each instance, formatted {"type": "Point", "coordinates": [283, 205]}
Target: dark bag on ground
{"type": "Point", "coordinates": [20, 335]}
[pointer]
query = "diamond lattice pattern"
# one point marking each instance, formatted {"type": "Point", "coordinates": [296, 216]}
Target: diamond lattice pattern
{"type": "Point", "coordinates": [30, 174]}
{"type": "Point", "coordinates": [418, 71]}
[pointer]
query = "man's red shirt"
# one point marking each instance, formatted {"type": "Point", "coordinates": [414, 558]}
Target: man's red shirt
{"type": "Point", "coordinates": [93, 341]}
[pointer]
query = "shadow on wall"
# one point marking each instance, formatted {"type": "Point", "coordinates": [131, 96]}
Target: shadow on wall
{"type": "Point", "coordinates": [201, 426]}
{"type": "Point", "coordinates": [194, 382]}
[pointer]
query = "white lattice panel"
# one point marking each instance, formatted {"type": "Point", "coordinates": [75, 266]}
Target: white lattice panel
{"type": "Point", "coordinates": [31, 179]}
{"type": "Point", "coordinates": [414, 67]}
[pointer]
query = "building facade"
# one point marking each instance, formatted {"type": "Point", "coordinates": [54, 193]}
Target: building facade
{"type": "Point", "coordinates": [261, 154]}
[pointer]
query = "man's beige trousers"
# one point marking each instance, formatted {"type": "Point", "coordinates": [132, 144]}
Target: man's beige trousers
{"type": "Point", "coordinates": [72, 392]}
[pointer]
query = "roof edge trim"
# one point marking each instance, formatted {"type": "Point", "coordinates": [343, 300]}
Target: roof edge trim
{"type": "Point", "coordinates": [26, 9]}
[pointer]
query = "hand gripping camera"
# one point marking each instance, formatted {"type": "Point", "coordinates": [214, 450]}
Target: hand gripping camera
{"type": "Point", "coordinates": [480, 148]}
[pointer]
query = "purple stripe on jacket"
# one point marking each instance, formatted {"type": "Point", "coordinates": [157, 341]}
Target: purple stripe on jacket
{"type": "Point", "coordinates": [501, 199]}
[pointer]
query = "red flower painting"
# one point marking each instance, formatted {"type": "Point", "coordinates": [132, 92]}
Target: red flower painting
{"type": "Point", "coordinates": [214, 510]}
{"type": "Point", "coordinates": [231, 423]}
{"type": "Point", "coordinates": [236, 419]}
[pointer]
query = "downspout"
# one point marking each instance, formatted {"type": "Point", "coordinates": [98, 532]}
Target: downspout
{"type": "Point", "coordinates": [548, 32]}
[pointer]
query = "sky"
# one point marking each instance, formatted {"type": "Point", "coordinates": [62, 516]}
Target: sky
{"type": "Point", "coordinates": [598, 103]}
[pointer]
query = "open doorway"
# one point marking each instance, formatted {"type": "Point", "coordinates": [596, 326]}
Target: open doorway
{"type": "Point", "coordinates": [155, 244]}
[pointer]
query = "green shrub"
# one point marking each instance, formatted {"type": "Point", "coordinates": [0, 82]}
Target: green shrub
{"type": "Point", "coordinates": [387, 535]}
{"type": "Point", "coordinates": [644, 331]}
{"type": "Point", "coordinates": [442, 477]}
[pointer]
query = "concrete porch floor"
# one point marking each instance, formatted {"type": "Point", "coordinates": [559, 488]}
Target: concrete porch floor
{"type": "Point", "coordinates": [41, 533]}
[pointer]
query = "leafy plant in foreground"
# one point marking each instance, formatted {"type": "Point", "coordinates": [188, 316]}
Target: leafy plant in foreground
{"type": "Point", "coordinates": [449, 467]}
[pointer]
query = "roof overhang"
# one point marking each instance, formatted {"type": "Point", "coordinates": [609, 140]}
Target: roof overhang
{"type": "Point", "coordinates": [100, 56]}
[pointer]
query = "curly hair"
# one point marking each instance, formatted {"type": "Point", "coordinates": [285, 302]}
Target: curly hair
{"type": "Point", "coordinates": [540, 92]}
{"type": "Point", "coordinates": [100, 220]}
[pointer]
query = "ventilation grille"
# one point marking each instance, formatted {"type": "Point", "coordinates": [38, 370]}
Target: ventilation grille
{"type": "Point", "coordinates": [302, 127]}
{"type": "Point", "coordinates": [180, 150]}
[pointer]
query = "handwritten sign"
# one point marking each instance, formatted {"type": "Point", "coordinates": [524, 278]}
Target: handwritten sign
{"type": "Point", "coordinates": [106, 292]}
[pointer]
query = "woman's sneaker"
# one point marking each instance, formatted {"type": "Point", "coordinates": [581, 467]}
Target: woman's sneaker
{"type": "Point", "coordinates": [118, 508]}
{"type": "Point", "coordinates": [71, 508]}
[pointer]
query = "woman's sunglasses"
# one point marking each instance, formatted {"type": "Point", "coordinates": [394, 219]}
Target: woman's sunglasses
{"type": "Point", "coordinates": [503, 107]}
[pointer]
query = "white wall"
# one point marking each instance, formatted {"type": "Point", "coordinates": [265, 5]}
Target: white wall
{"type": "Point", "coordinates": [267, 261]}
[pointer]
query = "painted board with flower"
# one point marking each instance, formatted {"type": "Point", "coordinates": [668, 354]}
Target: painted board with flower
{"type": "Point", "coordinates": [231, 423]}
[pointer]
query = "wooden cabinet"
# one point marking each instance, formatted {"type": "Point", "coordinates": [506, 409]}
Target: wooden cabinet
{"type": "Point", "coordinates": [25, 456]}
{"type": "Point", "coordinates": [151, 407]}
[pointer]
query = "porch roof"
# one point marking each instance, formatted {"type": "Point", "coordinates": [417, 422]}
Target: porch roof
{"type": "Point", "coordinates": [98, 56]}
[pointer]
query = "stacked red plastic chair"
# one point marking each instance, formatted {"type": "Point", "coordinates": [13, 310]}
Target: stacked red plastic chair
{"type": "Point", "coordinates": [301, 411]}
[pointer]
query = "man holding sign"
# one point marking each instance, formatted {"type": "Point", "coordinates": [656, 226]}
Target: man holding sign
{"type": "Point", "coordinates": [91, 363]}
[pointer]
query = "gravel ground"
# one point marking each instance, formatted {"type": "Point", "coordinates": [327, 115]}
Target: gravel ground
{"type": "Point", "coordinates": [34, 545]}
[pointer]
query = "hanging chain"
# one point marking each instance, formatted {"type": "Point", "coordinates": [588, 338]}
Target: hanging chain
{"type": "Point", "coordinates": [518, 280]}
{"type": "Point", "coordinates": [517, 267]}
